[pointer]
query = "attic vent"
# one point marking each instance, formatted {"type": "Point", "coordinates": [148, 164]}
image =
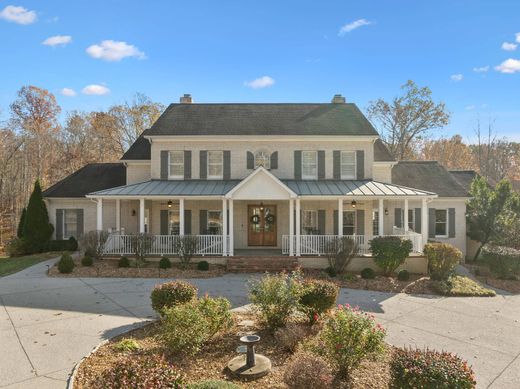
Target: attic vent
{"type": "Point", "coordinates": [186, 99]}
{"type": "Point", "coordinates": [338, 99]}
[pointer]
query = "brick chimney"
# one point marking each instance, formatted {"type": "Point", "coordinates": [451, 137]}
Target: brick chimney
{"type": "Point", "coordinates": [186, 99]}
{"type": "Point", "coordinates": [338, 99]}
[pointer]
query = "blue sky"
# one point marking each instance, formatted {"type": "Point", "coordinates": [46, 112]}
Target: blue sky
{"type": "Point", "coordinates": [297, 51]}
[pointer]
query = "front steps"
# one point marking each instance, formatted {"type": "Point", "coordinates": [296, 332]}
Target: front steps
{"type": "Point", "coordinates": [252, 264]}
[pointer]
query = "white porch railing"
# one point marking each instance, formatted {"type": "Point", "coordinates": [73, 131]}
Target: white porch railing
{"type": "Point", "coordinates": [163, 245]}
{"type": "Point", "coordinates": [315, 244]}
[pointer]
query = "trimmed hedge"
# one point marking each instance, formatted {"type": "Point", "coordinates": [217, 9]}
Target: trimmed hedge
{"type": "Point", "coordinates": [442, 259]}
{"type": "Point", "coordinates": [172, 293]}
{"type": "Point", "coordinates": [66, 264]}
{"type": "Point", "coordinates": [203, 266]}
{"type": "Point", "coordinates": [165, 263]}
{"type": "Point", "coordinates": [319, 296]}
{"type": "Point", "coordinates": [390, 252]}
{"type": "Point", "coordinates": [368, 273]}
{"type": "Point", "coordinates": [87, 261]}
{"type": "Point", "coordinates": [403, 275]}
{"type": "Point", "coordinates": [123, 262]}
{"type": "Point", "coordinates": [503, 262]}
{"type": "Point", "coordinates": [70, 244]}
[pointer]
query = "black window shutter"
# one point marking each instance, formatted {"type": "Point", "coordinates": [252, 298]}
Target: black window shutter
{"type": "Point", "coordinates": [187, 222]}
{"type": "Point", "coordinates": [418, 220]}
{"type": "Point", "coordinates": [187, 164]}
{"type": "Point", "coordinates": [321, 221]}
{"type": "Point", "coordinates": [203, 164]}
{"type": "Point", "coordinates": [451, 222]}
{"type": "Point", "coordinates": [398, 218]}
{"type": "Point", "coordinates": [274, 160]}
{"type": "Point", "coordinates": [336, 160]}
{"type": "Point", "coordinates": [164, 222]}
{"type": "Point", "coordinates": [203, 221]}
{"type": "Point", "coordinates": [250, 160]}
{"type": "Point", "coordinates": [360, 222]}
{"type": "Point", "coordinates": [297, 164]}
{"type": "Point", "coordinates": [59, 224]}
{"type": "Point", "coordinates": [335, 214]}
{"type": "Point", "coordinates": [431, 222]}
{"type": "Point", "coordinates": [79, 222]}
{"type": "Point", "coordinates": [321, 165]}
{"type": "Point", "coordinates": [360, 164]}
{"type": "Point", "coordinates": [164, 164]}
{"type": "Point", "coordinates": [227, 164]}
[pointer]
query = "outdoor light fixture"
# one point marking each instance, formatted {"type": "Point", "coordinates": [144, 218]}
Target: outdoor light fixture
{"type": "Point", "coordinates": [261, 206]}
{"type": "Point", "coordinates": [133, 212]}
{"type": "Point", "coordinates": [386, 211]}
{"type": "Point", "coordinates": [353, 203]}
{"type": "Point", "coordinates": [170, 203]}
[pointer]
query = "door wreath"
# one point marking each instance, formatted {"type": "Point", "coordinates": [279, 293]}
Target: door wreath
{"type": "Point", "coordinates": [270, 219]}
{"type": "Point", "coordinates": [255, 219]}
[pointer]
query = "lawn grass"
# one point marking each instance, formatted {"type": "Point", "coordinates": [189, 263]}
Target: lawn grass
{"type": "Point", "coordinates": [463, 287]}
{"type": "Point", "coordinates": [10, 265]}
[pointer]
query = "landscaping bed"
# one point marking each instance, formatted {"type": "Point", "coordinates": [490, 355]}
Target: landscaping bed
{"type": "Point", "coordinates": [110, 268]}
{"type": "Point", "coordinates": [484, 275]}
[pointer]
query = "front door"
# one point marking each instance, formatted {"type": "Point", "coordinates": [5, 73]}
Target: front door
{"type": "Point", "coordinates": [262, 225]}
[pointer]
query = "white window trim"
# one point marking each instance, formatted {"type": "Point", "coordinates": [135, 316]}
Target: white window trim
{"type": "Point", "coordinates": [171, 176]}
{"type": "Point", "coordinates": [213, 177]}
{"type": "Point", "coordinates": [447, 223]}
{"type": "Point", "coordinates": [354, 176]}
{"type": "Point", "coordinates": [355, 222]}
{"type": "Point", "coordinates": [309, 177]}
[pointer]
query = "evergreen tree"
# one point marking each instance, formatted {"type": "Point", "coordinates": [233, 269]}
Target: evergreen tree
{"type": "Point", "coordinates": [37, 230]}
{"type": "Point", "coordinates": [19, 231]}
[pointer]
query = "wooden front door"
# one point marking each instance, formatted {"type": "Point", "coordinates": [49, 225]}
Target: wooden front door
{"type": "Point", "coordinates": [262, 225]}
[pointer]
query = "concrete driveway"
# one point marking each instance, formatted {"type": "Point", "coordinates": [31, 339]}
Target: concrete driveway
{"type": "Point", "coordinates": [48, 324]}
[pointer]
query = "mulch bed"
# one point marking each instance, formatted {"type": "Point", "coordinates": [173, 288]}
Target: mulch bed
{"type": "Point", "coordinates": [211, 362]}
{"type": "Point", "coordinates": [483, 274]}
{"type": "Point", "coordinates": [109, 268]}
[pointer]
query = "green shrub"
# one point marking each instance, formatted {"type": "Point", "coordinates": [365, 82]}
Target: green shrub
{"type": "Point", "coordinates": [66, 264]}
{"type": "Point", "coordinates": [70, 244]}
{"type": "Point", "coordinates": [428, 369]}
{"type": "Point", "coordinates": [140, 372]}
{"type": "Point", "coordinates": [276, 297]}
{"type": "Point", "coordinates": [290, 336]}
{"type": "Point", "coordinates": [17, 247]}
{"type": "Point", "coordinates": [217, 314]}
{"type": "Point", "coordinates": [331, 272]}
{"type": "Point", "coordinates": [442, 259]}
{"type": "Point", "coordinates": [339, 252]}
{"type": "Point", "coordinates": [91, 252]}
{"type": "Point", "coordinates": [172, 293]}
{"type": "Point", "coordinates": [390, 252]}
{"type": "Point", "coordinates": [319, 296]}
{"type": "Point", "coordinates": [123, 262]}
{"type": "Point", "coordinates": [348, 277]}
{"type": "Point", "coordinates": [461, 286]}
{"type": "Point", "coordinates": [87, 261]}
{"type": "Point", "coordinates": [37, 230]}
{"type": "Point", "coordinates": [127, 345]}
{"type": "Point", "coordinates": [368, 273]}
{"type": "Point", "coordinates": [165, 263]}
{"type": "Point", "coordinates": [203, 266]}
{"type": "Point", "coordinates": [503, 262]}
{"type": "Point", "coordinates": [308, 371]}
{"type": "Point", "coordinates": [348, 337]}
{"type": "Point", "coordinates": [214, 384]}
{"type": "Point", "coordinates": [403, 275]}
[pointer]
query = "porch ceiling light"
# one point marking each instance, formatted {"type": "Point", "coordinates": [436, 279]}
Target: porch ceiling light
{"type": "Point", "coordinates": [170, 203]}
{"type": "Point", "coordinates": [353, 203]}
{"type": "Point", "coordinates": [386, 211]}
{"type": "Point", "coordinates": [261, 206]}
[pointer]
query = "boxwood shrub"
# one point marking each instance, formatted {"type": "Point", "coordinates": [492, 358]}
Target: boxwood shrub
{"type": "Point", "coordinates": [123, 262]}
{"type": "Point", "coordinates": [66, 264]}
{"type": "Point", "coordinates": [165, 263]}
{"type": "Point", "coordinates": [70, 244]}
{"type": "Point", "coordinates": [390, 252]}
{"type": "Point", "coordinates": [87, 261]}
{"type": "Point", "coordinates": [428, 369]}
{"type": "Point", "coordinates": [442, 259]}
{"type": "Point", "coordinates": [203, 265]}
{"type": "Point", "coordinates": [403, 275]}
{"type": "Point", "coordinates": [368, 273]}
{"type": "Point", "coordinates": [172, 293]}
{"type": "Point", "coordinates": [319, 296]}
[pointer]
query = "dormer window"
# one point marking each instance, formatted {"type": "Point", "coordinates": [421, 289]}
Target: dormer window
{"type": "Point", "coordinates": [309, 165]}
{"type": "Point", "coordinates": [263, 158]}
{"type": "Point", "coordinates": [176, 164]}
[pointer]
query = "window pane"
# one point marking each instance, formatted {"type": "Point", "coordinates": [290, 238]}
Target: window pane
{"type": "Point", "coordinates": [70, 217]}
{"type": "Point", "coordinates": [440, 229]}
{"type": "Point", "coordinates": [348, 164]}
{"type": "Point", "coordinates": [441, 225]}
{"type": "Point", "coordinates": [214, 223]}
{"type": "Point", "coordinates": [309, 222]}
{"type": "Point", "coordinates": [177, 156]}
{"type": "Point", "coordinates": [173, 222]}
{"type": "Point", "coordinates": [375, 222]}
{"type": "Point", "coordinates": [349, 221]}
{"type": "Point", "coordinates": [309, 164]}
{"type": "Point", "coordinates": [176, 163]}
{"type": "Point", "coordinates": [440, 215]}
{"type": "Point", "coordinates": [263, 158]}
{"type": "Point", "coordinates": [215, 156]}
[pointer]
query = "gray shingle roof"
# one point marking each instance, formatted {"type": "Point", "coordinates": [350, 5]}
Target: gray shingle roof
{"type": "Point", "coordinates": [91, 177]}
{"type": "Point", "coordinates": [427, 175]}
{"type": "Point", "coordinates": [381, 152]}
{"type": "Point", "coordinates": [464, 177]}
{"type": "Point", "coordinates": [262, 119]}
{"type": "Point", "coordinates": [139, 150]}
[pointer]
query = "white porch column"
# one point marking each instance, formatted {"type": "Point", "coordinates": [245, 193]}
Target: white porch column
{"type": "Point", "coordinates": [298, 214]}
{"type": "Point", "coordinates": [424, 222]}
{"type": "Point", "coordinates": [231, 248]}
{"type": "Point", "coordinates": [340, 217]}
{"type": "Point", "coordinates": [291, 227]}
{"type": "Point", "coordinates": [181, 216]}
{"type": "Point", "coordinates": [118, 215]}
{"type": "Point", "coordinates": [405, 217]}
{"type": "Point", "coordinates": [141, 216]}
{"type": "Point", "coordinates": [224, 228]}
{"type": "Point", "coordinates": [381, 221]}
{"type": "Point", "coordinates": [99, 215]}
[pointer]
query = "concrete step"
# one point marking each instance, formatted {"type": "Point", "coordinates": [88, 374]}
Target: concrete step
{"type": "Point", "coordinates": [260, 264]}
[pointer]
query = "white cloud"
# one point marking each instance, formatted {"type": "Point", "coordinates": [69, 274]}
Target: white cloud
{"type": "Point", "coordinates": [110, 50]}
{"type": "Point", "coordinates": [509, 46]}
{"type": "Point", "coordinates": [261, 82]}
{"type": "Point", "coordinates": [509, 66]}
{"type": "Point", "coordinates": [470, 107]}
{"type": "Point", "coordinates": [95, 89]}
{"type": "Point", "coordinates": [517, 35]}
{"type": "Point", "coordinates": [18, 15]}
{"type": "Point", "coordinates": [457, 77]}
{"type": "Point", "coordinates": [352, 26]}
{"type": "Point", "coordinates": [482, 69]}
{"type": "Point", "coordinates": [57, 40]}
{"type": "Point", "coordinates": [68, 92]}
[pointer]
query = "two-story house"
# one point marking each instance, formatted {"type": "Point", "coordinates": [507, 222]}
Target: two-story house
{"type": "Point", "coordinates": [252, 176]}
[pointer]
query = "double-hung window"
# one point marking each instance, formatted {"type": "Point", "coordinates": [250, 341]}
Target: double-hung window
{"type": "Point", "coordinates": [309, 165]}
{"type": "Point", "coordinates": [411, 219]}
{"type": "Point", "coordinates": [215, 165]}
{"type": "Point", "coordinates": [177, 164]}
{"type": "Point", "coordinates": [70, 223]}
{"type": "Point", "coordinates": [214, 222]}
{"type": "Point", "coordinates": [441, 223]}
{"type": "Point", "coordinates": [174, 221]}
{"type": "Point", "coordinates": [349, 222]}
{"type": "Point", "coordinates": [348, 165]}
{"type": "Point", "coordinates": [309, 222]}
{"type": "Point", "coordinates": [375, 222]}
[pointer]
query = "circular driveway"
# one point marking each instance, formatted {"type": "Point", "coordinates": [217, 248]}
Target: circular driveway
{"type": "Point", "coordinates": [48, 324]}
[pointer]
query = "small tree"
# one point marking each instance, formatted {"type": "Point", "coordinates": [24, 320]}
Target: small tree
{"type": "Point", "coordinates": [339, 252]}
{"type": "Point", "coordinates": [186, 247]}
{"type": "Point", "coordinates": [94, 242]}
{"type": "Point", "coordinates": [390, 252]}
{"type": "Point", "coordinates": [19, 231]}
{"type": "Point", "coordinates": [37, 230]}
{"type": "Point", "coordinates": [141, 245]}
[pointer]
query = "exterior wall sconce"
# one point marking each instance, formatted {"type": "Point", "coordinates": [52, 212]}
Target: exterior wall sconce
{"type": "Point", "coordinates": [386, 211]}
{"type": "Point", "coordinates": [170, 203]}
{"type": "Point", "coordinates": [353, 203]}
